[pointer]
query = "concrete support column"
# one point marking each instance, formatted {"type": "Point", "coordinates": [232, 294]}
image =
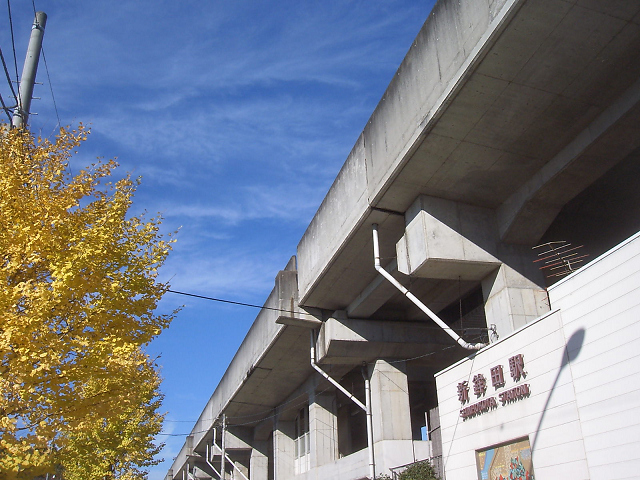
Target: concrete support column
{"type": "Point", "coordinates": [259, 463]}
{"type": "Point", "coordinates": [323, 428]}
{"type": "Point", "coordinates": [390, 401]}
{"type": "Point", "coordinates": [283, 449]}
{"type": "Point", "coordinates": [512, 300]}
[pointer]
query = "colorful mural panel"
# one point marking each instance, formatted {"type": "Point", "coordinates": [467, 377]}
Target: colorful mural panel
{"type": "Point", "coordinates": [510, 461]}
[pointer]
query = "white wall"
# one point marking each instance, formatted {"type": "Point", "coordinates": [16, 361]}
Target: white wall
{"type": "Point", "coordinates": [602, 300]}
{"type": "Point", "coordinates": [582, 367]}
{"type": "Point", "coordinates": [549, 416]}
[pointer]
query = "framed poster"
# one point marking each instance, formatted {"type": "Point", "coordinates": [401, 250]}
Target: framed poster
{"type": "Point", "coordinates": [509, 461]}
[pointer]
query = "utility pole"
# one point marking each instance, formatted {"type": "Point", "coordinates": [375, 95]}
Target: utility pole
{"type": "Point", "coordinates": [21, 113]}
{"type": "Point", "coordinates": [223, 474]}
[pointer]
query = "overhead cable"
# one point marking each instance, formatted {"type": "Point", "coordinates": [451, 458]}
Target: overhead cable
{"type": "Point", "coordinates": [6, 72]}
{"type": "Point", "coordinates": [232, 302]}
{"type": "Point", "coordinates": [13, 43]}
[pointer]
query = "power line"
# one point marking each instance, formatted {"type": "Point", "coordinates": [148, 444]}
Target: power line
{"type": "Point", "coordinates": [13, 43]}
{"type": "Point", "coordinates": [6, 72]}
{"type": "Point", "coordinates": [5, 108]}
{"type": "Point", "coordinates": [263, 307]}
{"type": "Point", "coordinates": [232, 302]}
{"type": "Point", "coordinates": [293, 401]}
{"type": "Point", "coordinates": [55, 106]}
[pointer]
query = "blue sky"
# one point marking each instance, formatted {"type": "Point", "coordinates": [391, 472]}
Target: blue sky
{"type": "Point", "coordinates": [237, 115]}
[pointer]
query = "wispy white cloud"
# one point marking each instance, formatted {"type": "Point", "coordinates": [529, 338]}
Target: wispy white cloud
{"type": "Point", "coordinates": [238, 115]}
{"type": "Point", "coordinates": [232, 274]}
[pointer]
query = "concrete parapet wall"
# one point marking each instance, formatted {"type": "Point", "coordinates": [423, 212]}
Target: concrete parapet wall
{"type": "Point", "coordinates": [261, 335]}
{"type": "Point", "coordinates": [452, 39]}
{"type": "Point", "coordinates": [339, 212]}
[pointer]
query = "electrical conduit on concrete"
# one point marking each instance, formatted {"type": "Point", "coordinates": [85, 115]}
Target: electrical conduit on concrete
{"type": "Point", "coordinates": [415, 300]}
{"type": "Point", "coordinates": [366, 408]}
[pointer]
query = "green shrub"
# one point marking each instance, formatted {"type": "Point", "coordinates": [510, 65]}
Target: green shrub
{"type": "Point", "coordinates": [419, 471]}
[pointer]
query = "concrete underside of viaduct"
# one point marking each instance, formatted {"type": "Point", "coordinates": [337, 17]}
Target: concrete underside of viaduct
{"type": "Point", "coordinates": [509, 123]}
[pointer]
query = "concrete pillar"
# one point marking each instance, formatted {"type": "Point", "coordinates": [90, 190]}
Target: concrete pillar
{"type": "Point", "coordinates": [390, 401]}
{"type": "Point", "coordinates": [512, 300]}
{"type": "Point", "coordinates": [259, 463]}
{"type": "Point", "coordinates": [323, 428]}
{"type": "Point", "coordinates": [283, 449]}
{"type": "Point", "coordinates": [455, 241]}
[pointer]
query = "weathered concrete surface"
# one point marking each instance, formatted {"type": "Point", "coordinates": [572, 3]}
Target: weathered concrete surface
{"type": "Point", "coordinates": [390, 401]}
{"type": "Point", "coordinates": [452, 240]}
{"type": "Point", "coordinates": [449, 240]}
{"type": "Point", "coordinates": [426, 74]}
{"type": "Point", "coordinates": [323, 428]}
{"type": "Point", "coordinates": [259, 464]}
{"type": "Point", "coordinates": [253, 369]}
{"type": "Point", "coordinates": [351, 342]}
{"type": "Point", "coordinates": [510, 108]}
{"type": "Point", "coordinates": [513, 106]}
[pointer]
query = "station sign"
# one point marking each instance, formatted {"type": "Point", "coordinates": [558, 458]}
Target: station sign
{"type": "Point", "coordinates": [502, 396]}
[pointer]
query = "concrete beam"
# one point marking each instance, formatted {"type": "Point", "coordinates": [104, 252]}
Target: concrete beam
{"type": "Point", "coordinates": [375, 295]}
{"type": "Point", "coordinates": [447, 240]}
{"type": "Point", "coordinates": [290, 313]}
{"type": "Point", "coordinates": [442, 57]}
{"type": "Point", "coordinates": [527, 214]}
{"type": "Point", "coordinates": [238, 438]}
{"type": "Point", "coordinates": [348, 341]}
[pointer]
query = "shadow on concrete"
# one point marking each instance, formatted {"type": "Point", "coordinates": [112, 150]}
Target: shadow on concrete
{"type": "Point", "coordinates": [571, 352]}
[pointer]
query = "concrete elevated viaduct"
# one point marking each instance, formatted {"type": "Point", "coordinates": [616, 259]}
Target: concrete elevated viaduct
{"type": "Point", "coordinates": [510, 123]}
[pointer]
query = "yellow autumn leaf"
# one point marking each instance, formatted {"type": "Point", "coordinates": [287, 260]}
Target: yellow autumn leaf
{"type": "Point", "coordinates": [78, 294]}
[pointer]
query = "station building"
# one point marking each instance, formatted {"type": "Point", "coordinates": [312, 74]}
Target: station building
{"type": "Point", "coordinates": [468, 291]}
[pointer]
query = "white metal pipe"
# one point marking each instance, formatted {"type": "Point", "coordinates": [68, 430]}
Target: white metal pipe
{"type": "Point", "coordinates": [222, 466]}
{"type": "Point", "coordinates": [232, 463]}
{"type": "Point", "coordinates": [223, 452]}
{"type": "Point", "coordinates": [209, 458]}
{"type": "Point", "coordinates": [366, 408]}
{"type": "Point", "coordinates": [367, 395]}
{"type": "Point", "coordinates": [331, 380]}
{"type": "Point", "coordinates": [448, 330]}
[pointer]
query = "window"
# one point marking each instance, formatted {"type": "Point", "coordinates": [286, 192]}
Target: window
{"type": "Point", "coordinates": [302, 442]}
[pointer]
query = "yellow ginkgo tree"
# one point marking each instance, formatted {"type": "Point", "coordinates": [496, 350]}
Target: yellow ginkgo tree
{"type": "Point", "coordinates": [78, 294]}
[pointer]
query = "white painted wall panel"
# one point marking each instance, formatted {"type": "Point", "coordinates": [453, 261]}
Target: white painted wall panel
{"type": "Point", "coordinates": [611, 407]}
{"type": "Point", "coordinates": [549, 416]}
{"type": "Point", "coordinates": [606, 423]}
{"type": "Point", "coordinates": [617, 454]}
{"type": "Point", "coordinates": [577, 470]}
{"type": "Point", "coordinates": [582, 367]}
{"type": "Point", "coordinates": [612, 439]}
{"type": "Point", "coordinates": [603, 298]}
{"type": "Point", "coordinates": [621, 471]}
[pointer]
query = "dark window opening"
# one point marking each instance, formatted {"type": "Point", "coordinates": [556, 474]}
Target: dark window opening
{"type": "Point", "coordinates": [352, 420]}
